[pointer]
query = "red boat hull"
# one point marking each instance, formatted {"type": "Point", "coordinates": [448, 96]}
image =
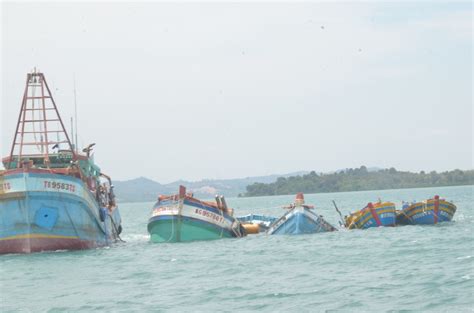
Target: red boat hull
{"type": "Point", "coordinates": [29, 244]}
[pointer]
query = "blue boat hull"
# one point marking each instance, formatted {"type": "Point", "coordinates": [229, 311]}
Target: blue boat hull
{"type": "Point", "coordinates": [426, 213]}
{"type": "Point", "coordinates": [383, 214]}
{"type": "Point", "coordinates": [40, 220]}
{"type": "Point", "coordinates": [300, 221]}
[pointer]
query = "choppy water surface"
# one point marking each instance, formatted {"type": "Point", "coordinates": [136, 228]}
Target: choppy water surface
{"type": "Point", "coordinates": [416, 268]}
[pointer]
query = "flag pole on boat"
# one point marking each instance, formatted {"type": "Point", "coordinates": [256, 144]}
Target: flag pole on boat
{"type": "Point", "coordinates": [72, 133]}
{"type": "Point", "coordinates": [340, 214]}
{"type": "Point", "coordinates": [75, 110]}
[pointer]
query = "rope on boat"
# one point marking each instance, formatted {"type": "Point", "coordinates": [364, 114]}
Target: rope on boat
{"type": "Point", "coordinates": [179, 220]}
{"type": "Point", "coordinates": [172, 227]}
{"type": "Point", "coordinates": [178, 216]}
{"type": "Point", "coordinates": [342, 222]}
{"type": "Point", "coordinates": [406, 215]}
{"type": "Point", "coordinates": [105, 228]}
{"type": "Point", "coordinates": [238, 234]}
{"type": "Point", "coordinates": [116, 229]}
{"type": "Point", "coordinates": [71, 220]}
{"type": "Point", "coordinates": [24, 206]}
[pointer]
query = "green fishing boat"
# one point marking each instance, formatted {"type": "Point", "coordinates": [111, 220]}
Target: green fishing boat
{"type": "Point", "coordinates": [181, 218]}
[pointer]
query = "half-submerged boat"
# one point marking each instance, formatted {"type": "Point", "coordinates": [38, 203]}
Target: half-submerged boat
{"type": "Point", "coordinates": [373, 215]}
{"type": "Point", "coordinates": [256, 223]}
{"type": "Point", "coordinates": [52, 197]}
{"type": "Point", "coordinates": [428, 212]}
{"type": "Point", "coordinates": [300, 219]}
{"type": "Point", "coordinates": [181, 217]}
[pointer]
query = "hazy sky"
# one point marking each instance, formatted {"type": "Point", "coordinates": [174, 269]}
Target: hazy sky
{"type": "Point", "coordinates": [192, 91]}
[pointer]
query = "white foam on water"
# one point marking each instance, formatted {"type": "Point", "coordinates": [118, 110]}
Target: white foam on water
{"type": "Point", "coordinates": [136, 238]}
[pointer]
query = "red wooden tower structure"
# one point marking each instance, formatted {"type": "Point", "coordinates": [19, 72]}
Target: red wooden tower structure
{"type": "Point", "coordinates": [40, 132]}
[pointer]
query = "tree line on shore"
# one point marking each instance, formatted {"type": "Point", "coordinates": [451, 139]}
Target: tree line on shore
{"type": "Point", "coordinates": [359, 179]}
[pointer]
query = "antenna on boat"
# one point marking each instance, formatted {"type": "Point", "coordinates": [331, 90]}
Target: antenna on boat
{"type": "Point", "coordinates": [72, 133]}
{"type": "Point", "coordinates": [75, 111]}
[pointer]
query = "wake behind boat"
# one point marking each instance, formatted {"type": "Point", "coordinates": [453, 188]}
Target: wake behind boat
{"type": "Point", "coordinates": [182, 217]}
{"type": "Point", "coordinates": [52, 197]}
{"type": "Point", "coordinates": [300, 219]}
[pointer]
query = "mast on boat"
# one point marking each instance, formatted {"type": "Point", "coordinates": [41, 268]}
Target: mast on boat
{"type": "Point", "coordinates": [40, 128]}
{"type": "Point", "coordinates": [75, 116]}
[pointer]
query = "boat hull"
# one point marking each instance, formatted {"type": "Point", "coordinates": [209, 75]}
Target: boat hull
{"type": "Point", "coordinates": [185, 220]}
{"type": "Point", "coordinates": [262, 222]}
{"type": "Point", "coordinates": [36, 217]}
{"type": "Point", "coordinates": [426, 213]}
{"type": "Point", "coordinates": [299, 221]}
{"type": "Point", "coordinates": [382, 214]}
{"type": "Point", "coordinates": [183, 229]}
{"type": "Point", "coordinates": [30, 243]}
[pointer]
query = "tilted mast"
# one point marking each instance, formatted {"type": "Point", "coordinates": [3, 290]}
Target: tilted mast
{"type": "Point", "coordinates": [39, 129]}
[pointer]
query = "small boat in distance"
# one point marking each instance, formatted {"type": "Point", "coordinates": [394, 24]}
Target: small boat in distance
{"type": "Point", "coordinates": [373, 215]}
{"type": "Point", "coordinates": [181, 218]}
{"type": "Point", "coordinates": [428, 212]}
{"type": "Point", "coordinates": [300, 219]}
{"type": "Point", "coordinates": [51, 196]}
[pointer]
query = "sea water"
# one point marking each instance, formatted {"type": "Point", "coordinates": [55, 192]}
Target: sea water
{"type": "Point", "coordinates": [419, 268]}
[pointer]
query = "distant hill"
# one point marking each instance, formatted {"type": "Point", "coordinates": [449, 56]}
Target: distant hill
{"type": "Point", "coordinates": [359, 179]}
{"type": "Point", "coordinates": [137, 190]}
{"type": "Point", "coordinates": [143, 189]}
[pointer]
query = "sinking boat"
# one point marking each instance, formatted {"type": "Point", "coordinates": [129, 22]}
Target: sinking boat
{"type": "Point", "coordinates": [51, 196]}
{"type": "Point", "coordinates": [256, 223]}
{"type": "Point", "coordinates": [181, 218]}
{"type": "Point", "coordinates": [373, 215]}
{"type": "Point", "coordinates": [428, 212]}
{"type": "Point", "coordinates": [299, 219]}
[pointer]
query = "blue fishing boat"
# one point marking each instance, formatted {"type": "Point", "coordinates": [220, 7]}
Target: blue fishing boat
{"type": "Point", "coordinates": [51, 196]}
{"type": "Point", "coordinates": [373, 215]}
{"type": "Point", "coordinates": [300, 219]}
{"type": "Point", "coordinates": [428, 212]}
{"type": "Point", "coordinates": [181, 218]}
{"type": "Point", "coordinates": [256, 223]}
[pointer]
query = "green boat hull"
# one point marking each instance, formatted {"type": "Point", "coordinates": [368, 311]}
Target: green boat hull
{"type": "Point", "coordinates": [183, 230]}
